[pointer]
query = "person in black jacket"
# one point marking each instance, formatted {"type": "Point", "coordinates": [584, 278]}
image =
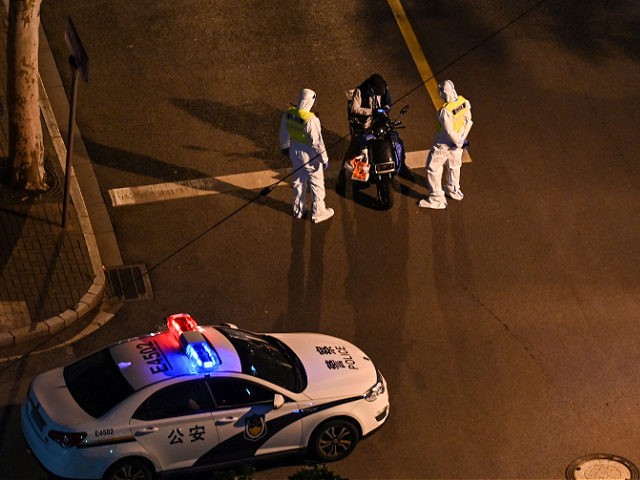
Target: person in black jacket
{"type": "Point", "coordinates": [373, 94]}
{"type": "Point", "coordinates": [368, 98]}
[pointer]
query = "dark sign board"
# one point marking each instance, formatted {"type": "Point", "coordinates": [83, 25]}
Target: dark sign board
{"type": "Point", "coordinates": [77, 50]}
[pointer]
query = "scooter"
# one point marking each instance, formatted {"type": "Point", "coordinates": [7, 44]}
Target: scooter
{"type": "Point", "coordinates": [381, 156]}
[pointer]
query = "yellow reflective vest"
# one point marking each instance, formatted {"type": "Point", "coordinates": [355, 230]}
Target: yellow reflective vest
{"type": "Point", "coordinates": [296, 121]}
{"type": "Point", "coordinates": [458, 109]}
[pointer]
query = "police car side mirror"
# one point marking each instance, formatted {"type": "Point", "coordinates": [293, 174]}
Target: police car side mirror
{"type": "Point", "coordinates": [278, 401]}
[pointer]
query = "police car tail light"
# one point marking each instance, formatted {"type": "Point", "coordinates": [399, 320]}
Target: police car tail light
{"type": "Point", "coordinates": [200, 353]}
{"type": "Point", "coordinates": [67, 439]}
{"type": "Point", "coordinates": [181, 322]}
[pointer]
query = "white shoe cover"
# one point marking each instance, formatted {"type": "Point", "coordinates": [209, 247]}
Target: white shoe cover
{"type": "Point", "coordinates": [435, 205]}
{"type": "Point", "coordinates": [454, 194]}
{"type": "Point", "coordinates": [326, 215]}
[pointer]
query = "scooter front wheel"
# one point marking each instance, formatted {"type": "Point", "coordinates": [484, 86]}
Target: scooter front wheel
{"type": "Point", "coordinates": [385, 192]}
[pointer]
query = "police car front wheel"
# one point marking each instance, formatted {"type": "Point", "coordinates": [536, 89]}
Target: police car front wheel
{"type": "Point", "coordinates": [130, 469]}
{"type": "Point", "coordinates": [334, 440]}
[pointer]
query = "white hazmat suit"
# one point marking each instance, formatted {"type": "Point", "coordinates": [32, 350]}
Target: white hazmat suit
{"type": "Point", "coordinates": [301, 135]}
{"type": "Point", "coordinates": [446, 153]}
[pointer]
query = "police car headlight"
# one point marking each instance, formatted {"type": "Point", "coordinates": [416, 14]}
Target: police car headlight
{"type": "Point", "coordinates": [374, 392]}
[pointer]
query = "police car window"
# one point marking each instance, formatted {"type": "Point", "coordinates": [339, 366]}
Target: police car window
{"type": "Point", "coordinates": [268, 358]}
{"type": "Point", "coordinates": [178, 400]}
{"type": "Point", "coordinates": [96, 383]}
{"type": "Point", "coordinates": [234, 392]}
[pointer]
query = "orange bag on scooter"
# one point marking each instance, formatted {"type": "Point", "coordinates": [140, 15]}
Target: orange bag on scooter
{"type": "Point", "coordinates": [360, 168]}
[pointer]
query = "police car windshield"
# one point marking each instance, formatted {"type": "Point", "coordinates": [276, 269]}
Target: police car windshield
{"type": "Point", "coordinates": [267, 358]}
{"type": "Point", "coordinates": [96, 383]}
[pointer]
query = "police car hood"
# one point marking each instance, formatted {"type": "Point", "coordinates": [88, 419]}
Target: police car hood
{"type": "Point", "coordinates": [334, 367]}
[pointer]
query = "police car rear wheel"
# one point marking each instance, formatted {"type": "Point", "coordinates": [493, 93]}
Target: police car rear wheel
{"type": "Point", "coordinates": [334, 440]}
{"type": "Point", "coordinates": [130, 469]}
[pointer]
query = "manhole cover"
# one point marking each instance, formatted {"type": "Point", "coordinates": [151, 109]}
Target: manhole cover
{"type": "Point", "coordinates": [129, 282]}
{"type": "Point", "coordinates": [601, 466]}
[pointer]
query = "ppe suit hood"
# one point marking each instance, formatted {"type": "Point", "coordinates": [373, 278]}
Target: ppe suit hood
{"type": "Point", "coordinates": [306, 99]}
{"type": "Point", "coordinates": [448, 91]}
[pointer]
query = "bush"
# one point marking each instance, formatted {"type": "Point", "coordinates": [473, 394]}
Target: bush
{"type": "Point", "coordinates": [312, 471]}
{"type": "Point", "coordinates": [245, 473]}
{"type": "Point", "coordinates": [315, 472]}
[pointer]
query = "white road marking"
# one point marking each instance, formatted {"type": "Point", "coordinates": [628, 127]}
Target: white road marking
{"type": "Point", "coordinates": [194, 188]}
{"type": "Point", "coordinates": [227, 183]}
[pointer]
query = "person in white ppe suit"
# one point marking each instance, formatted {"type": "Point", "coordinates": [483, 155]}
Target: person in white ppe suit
{"type": "Point", "coordinates": [446, 153]}
{"type": "Point", "coordinates": [301, 139]}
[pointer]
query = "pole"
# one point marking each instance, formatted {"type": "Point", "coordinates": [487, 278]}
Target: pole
{"type": "Point", "coordinates": [72, 122]}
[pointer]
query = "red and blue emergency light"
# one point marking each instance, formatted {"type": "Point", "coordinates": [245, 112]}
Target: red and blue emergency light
{"type": "Point", "coordinates": [181, 322]}
{"type": "Point", "coordinates": [195, 346]}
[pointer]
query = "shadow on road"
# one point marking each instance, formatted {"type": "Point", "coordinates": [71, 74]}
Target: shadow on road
{"type": "Point", "coordinates": [166, 172]}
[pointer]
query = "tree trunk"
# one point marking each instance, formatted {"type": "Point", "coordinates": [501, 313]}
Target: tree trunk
{"type": "Point", "coordinates": [26, 150]}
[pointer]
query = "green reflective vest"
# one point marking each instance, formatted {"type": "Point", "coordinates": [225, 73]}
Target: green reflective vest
{"type": "Point", "coordinates": [296, 120]}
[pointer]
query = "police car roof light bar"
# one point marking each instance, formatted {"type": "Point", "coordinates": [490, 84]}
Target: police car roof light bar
{"type": "Point", "coordinates": [200, 353]}
{"type": "Point", "coordinates": [181, 322]}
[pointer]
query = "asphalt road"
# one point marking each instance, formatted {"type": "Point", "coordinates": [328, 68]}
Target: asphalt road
{"type": "Point", "coordinates": [505, 325]}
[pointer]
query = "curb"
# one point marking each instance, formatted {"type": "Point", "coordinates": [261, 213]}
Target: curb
{"type": "Point", "coordinates": [96, 292]}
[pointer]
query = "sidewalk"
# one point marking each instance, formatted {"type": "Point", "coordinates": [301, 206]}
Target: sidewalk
{"type": "Point", "coordinates": [51, 276]}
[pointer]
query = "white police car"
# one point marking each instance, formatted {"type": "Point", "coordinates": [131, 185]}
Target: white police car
{"type": "Point", "coordinates": [196, 397]}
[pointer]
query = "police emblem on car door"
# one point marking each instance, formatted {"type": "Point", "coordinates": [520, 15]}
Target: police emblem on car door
{"type": "Point", "coordinates": [249, 422]}
{"type": "Point", "coordinates": [255, 427]}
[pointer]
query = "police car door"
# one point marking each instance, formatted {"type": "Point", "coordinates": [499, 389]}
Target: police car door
{"type": "Point", "coordinates": [248, 422]}
{"type": "Point", "coordinates": [175, 424]}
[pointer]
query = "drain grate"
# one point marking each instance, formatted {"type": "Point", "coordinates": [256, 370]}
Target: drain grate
{"type": "Point", "coordinates": [129, 282]}
{"type": "Point", "coordinates": [55, 190]}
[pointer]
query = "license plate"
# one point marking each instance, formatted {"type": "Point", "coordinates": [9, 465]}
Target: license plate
{"type": "Point", "coordinates": [385, 167]}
